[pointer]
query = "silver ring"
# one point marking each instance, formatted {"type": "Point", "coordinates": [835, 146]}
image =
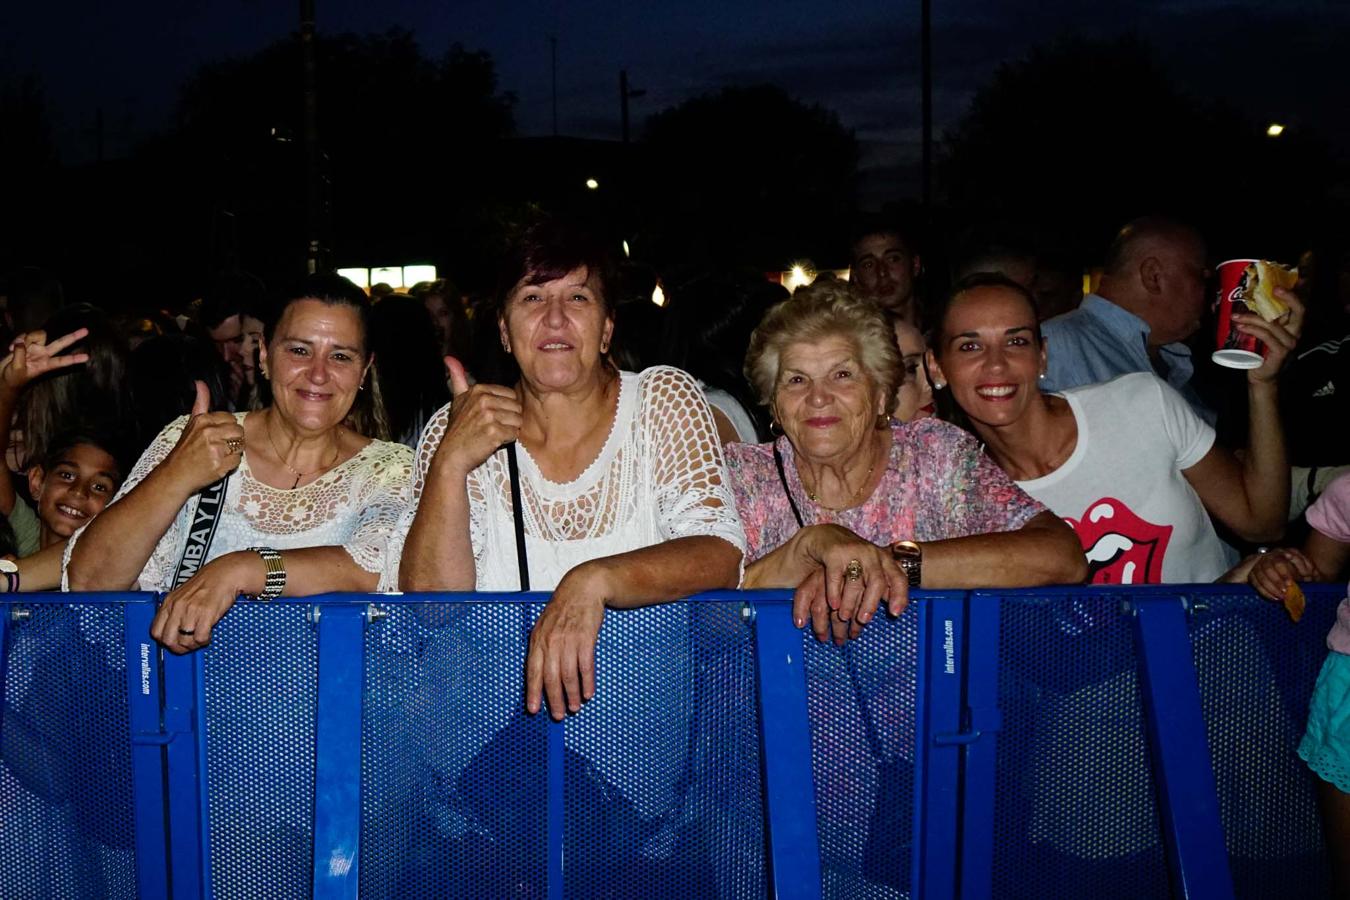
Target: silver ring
{"type": "Point", "coordinates": [234, 445]}
{"type": "Point", "coordinates": [187, 632]}
{"type": "Point", "coordinates": [854, 570]}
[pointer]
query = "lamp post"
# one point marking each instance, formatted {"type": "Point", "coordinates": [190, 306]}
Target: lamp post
{"type": "Point", "coordinates": [313, 188]}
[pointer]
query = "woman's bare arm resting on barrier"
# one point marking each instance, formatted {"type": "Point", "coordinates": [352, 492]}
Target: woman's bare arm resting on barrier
{"type": "Point", "coordinates": [561, 656]}
{"type": "Point", "coordinates": [188, 614]}
{"type": "Point", "coordinates": [1043, 551]}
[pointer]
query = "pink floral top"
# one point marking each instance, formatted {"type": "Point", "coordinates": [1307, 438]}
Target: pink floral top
{"type": "Point", "coordinates": [938, 484]}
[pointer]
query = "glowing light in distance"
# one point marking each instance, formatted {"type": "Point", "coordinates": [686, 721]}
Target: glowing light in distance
{"type": "Point", "coordinates": [800, 274]}
{"type": "Point", "coordinates": [415, 274]}
{"type": "Point", "coordinates": [358, 277]}
{"type": "Point", "coordinates": [626, 251]}
{"type": "Point", "coordinates": [592, 183]}
{"type": "Point", "coordinates": [658, 296]}
{"type": "Point", "coordinates": [1274, 129]}
{"type": "Point", "coordinates": [390, 275]}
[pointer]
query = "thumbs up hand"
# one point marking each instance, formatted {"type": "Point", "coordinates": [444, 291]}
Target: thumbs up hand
{"type": "Point", "coordinates": [482, 418]}
{"type": "Point", "coordinates": [210, 447]}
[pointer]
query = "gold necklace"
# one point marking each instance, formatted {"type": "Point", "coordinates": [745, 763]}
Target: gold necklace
{"type": "Point", "coordinates": [267, 427]}
{"type": "Point", "coordinates": [811, 495]}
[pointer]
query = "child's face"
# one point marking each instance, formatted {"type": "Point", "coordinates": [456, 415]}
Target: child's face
{"type": "Point", "coordinates": [75, 489]}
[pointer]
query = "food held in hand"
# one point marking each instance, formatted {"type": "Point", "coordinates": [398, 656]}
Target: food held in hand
{"type": "Point", "coordinates": [1262, 279]}
{"type": "Point", "coordinates": [1294, 601]}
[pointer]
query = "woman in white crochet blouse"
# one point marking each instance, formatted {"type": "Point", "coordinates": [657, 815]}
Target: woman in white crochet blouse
{"type": "Point", "coordinates": [310, 503]}
{"type": "Point", "coordinates": [623, 496]}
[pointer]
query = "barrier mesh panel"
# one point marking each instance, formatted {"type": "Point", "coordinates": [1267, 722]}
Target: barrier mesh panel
{"type": "Point", "coordinates": [66, 825]}
{"type": "Point", "coordinates": [454, 774]}
{"type": "Point", "coordinates": [260, 706]}
{"type": "Point", "coordinates": [1256, 670]}
{"type": "Point", "coordinates": [861, 701]}
{"type": "Point", "coordinates": [1074, 808]}
{"type": "Point", "coordinates": [662, 782]}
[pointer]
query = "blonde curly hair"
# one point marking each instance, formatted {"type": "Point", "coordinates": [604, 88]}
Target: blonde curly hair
{"type": "Point", "coordinates": [827, 308]}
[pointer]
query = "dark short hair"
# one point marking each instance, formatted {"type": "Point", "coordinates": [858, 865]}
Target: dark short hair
{"type": "Point", "coordinates": [67, 439]}
{"type": "Point", "coordinates": [973, 282]}
{"type": "Point", "coordinates": [870, 225]}
{"type": "Point", "coordinates": [551, 248]}
{"type": "Point", "coordinates": [329, 289]}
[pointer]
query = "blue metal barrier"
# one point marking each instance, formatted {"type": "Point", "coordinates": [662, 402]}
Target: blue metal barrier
{"type": "Point", "coordinates": [76, 795]}
{"type": "Point", "coordinates": [1012, 744]}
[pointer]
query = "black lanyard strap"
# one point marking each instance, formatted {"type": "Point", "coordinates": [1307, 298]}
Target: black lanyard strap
{"type": "Point", "coordinates": [201, 530]}
{"type": "Point", "coordinates": [518, 512]}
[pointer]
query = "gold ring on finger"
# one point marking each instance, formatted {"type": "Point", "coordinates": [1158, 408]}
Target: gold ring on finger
{"type": "Point", "coordinates": [853, 571]}
{"type": "Point", "coordinates": [234, 445]}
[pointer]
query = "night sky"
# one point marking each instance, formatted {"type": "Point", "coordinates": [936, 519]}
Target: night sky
{"type": "Point", "coordinates": [1282, 61]}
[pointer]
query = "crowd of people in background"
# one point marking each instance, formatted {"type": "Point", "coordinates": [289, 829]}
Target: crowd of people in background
{"type": "Point", "coordinates": [851, 441]}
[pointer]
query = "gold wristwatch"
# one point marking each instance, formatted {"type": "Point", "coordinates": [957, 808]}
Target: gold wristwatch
{"type": "Point", "coordinates": [909, 556]}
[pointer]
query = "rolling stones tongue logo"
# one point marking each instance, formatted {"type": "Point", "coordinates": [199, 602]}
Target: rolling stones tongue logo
{"type": "Point", "coordinates": [1121, 548]}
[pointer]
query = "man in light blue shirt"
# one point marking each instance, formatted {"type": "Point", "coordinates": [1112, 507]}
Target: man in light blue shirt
{"type": "Point", "coordinates": [1149, 301]}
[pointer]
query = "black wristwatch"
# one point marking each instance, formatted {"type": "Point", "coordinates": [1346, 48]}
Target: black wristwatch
{"type": "Point", "coordinates": [909, 555]}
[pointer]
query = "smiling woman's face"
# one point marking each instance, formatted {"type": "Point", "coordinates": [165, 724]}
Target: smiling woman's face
{"type": "Point", "coordinates": [316, 361]}
{"type": "Point", "coordinates": [558, 331]}
{"type": "Point", "coordinates": [824, 401]}
{"type": "Point", "coordinates": [990, 355]}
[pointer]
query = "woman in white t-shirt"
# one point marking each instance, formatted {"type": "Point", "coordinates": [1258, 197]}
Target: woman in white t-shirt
{"type": "Point", "coordinates": [1125, 462]}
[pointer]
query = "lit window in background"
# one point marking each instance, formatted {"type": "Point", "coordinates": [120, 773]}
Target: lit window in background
{"type": "Point", "coordinates": [390, 275]}
{"type": "Point", "coordinates": [417, 274]}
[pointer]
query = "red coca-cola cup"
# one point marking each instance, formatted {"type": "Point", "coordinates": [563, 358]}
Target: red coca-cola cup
{"type": "Point", "coordinates": [1233, 348]}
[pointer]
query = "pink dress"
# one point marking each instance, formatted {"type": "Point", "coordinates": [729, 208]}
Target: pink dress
{"type": "Point", "coordinates": [938, 484]}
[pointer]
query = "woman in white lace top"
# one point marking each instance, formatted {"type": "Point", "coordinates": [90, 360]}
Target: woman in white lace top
{"type": "Point", "coordinates": [301, 480]}
{"type": "Point", "coordinates": [624, 496]}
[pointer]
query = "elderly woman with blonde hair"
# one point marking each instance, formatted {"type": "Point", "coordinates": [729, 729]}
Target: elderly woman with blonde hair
{"type": "Point", "coordinates": [854, 509]}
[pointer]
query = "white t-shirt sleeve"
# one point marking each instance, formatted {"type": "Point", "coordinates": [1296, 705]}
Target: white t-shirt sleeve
{"type": "Point", "coordinates": [1191, 435]}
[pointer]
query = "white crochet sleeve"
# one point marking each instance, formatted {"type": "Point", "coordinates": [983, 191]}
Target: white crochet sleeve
{"type": "Point", "coordinates": [431, 439]}
{"type": "Point", "coordinates": [376, 539]}
{"type": "Point", "coordinates": [159, 567]}
{"type": "Point", "coordinates": [693, 494]}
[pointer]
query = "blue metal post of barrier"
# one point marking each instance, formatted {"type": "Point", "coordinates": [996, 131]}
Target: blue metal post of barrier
{"type": "Point", "coordinates": [557, 818]}
{"type": "Point", "coordinates": [147, 752]}
{"type": "Point", "coordinates": [185, 730]}
{"type": "Point", "coordinates": [5, 612]}
{"type": "Point", "coordinates": [937, 759]}
{"type": "Point", "coordinates": [785, 748]}
{"type": "Point", "coordinates": [1189, 801]}
{"type": "Point", "coordinates": [983, 720]}
{"type": "Point", "coordinates": [337, 752]}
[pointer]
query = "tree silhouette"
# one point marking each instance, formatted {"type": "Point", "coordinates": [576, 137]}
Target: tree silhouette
{"type": "Point", "coordinates": [28, 163]}
{"type": "Point", "coordinates": [402, 134]}
{"type": "Point", "coordinates": [747, 175]}
{"type": "Point", "coordinates": [1082, 135]}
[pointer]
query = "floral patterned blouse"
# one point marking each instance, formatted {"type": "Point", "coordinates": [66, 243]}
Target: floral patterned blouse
{"type": "Point", "coordinates": [938, 484]}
